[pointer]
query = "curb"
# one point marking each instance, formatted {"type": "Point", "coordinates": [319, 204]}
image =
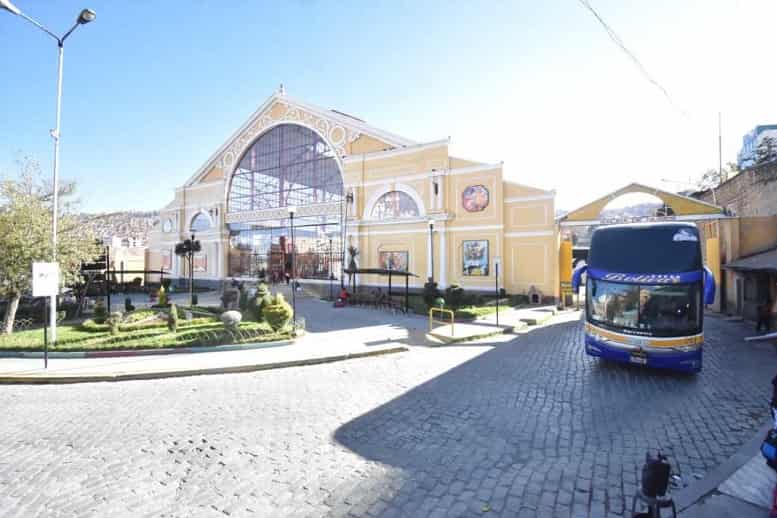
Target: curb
{"type": "Point", "coordinates": [150, 375]}
{"type": "Point", "coordinates": [690, 495]}
{"type": "Point", "coordinates": [450, 341]}
{"type": "Point", "coordinates": [116, 353]}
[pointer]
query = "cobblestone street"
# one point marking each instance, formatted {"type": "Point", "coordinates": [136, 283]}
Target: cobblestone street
{"type": "Point", "coordinates": [527, 427]}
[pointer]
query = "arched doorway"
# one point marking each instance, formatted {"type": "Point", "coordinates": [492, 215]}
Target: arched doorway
{"type": "Point", "coordinates": [288, 166]}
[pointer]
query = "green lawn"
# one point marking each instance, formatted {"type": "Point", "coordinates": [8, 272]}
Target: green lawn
{"type": "Point", "coordinates": [198, 332]}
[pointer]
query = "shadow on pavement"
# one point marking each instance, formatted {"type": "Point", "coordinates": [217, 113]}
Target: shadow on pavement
{"type": "Point", "coordinates": [536, 424]}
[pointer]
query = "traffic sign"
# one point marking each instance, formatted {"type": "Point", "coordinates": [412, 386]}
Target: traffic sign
{"type": "Point", "coordinates": [45, 279]}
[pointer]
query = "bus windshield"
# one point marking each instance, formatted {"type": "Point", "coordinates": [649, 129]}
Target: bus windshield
{"type": "Point", "coordinates": [658, 310]}
{"type": "Point", "coordinates": [659, 249]}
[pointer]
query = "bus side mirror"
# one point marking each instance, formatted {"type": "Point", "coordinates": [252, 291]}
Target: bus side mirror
{"type": "Point", "coordinates": [709, 286]}
{"type": "Point", "coordinates": [577, 276]}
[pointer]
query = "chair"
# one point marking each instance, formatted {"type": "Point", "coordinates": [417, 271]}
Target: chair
{"type": "Point", "coordinates": [654, 505]}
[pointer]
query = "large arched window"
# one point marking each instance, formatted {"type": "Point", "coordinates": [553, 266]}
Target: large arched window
{"type": "Point", "coordinates": [200, 223]}
{"type": "Point", "coordinates": [394, 204]}
{"type": "Point", "coordinates": [290, 165]}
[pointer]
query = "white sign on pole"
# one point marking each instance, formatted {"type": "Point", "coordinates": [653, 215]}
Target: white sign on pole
{"type": "Point", "coordinates": [45, 279]}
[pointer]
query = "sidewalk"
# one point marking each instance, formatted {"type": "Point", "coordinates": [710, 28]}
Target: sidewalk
{"type": "Point", "coordinates": [740, 488]}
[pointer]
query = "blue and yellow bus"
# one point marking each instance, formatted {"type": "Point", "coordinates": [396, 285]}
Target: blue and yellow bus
{"type": "Point", "coordinates": [645, 293]}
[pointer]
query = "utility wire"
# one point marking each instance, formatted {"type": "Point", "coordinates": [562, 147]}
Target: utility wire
{"type": "Point", "coordinates": [617, 40]}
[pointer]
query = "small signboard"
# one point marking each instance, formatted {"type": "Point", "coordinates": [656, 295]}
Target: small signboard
{"type": "Point", "coordinates": [45, 279]}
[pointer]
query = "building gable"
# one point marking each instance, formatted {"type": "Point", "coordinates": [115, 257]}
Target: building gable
{"type": "Point", "coordinates": [346, 135]}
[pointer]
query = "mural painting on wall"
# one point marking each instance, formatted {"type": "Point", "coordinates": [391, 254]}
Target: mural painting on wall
{"type": "Point", "coordinates": [474, 198]}
{"type": "Point", "coordinates": [393, 260]}
{"type": "Point", "coordinates": [475, 257]}
{"type": "Point", "coordinates": [200, 262]}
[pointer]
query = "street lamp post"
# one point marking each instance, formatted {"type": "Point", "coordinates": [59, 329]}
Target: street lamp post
{"type": "Point", "coordinates": [86, 16]}
{"type": "Point", "coordinates": [292, 210]}
{"type": "Point", "coordinates": [497, 260]}
{"type": "Point", "coordinates": [431, 249]}
{"type": "Point", "coordinates": [331, 273]}
{"type": "Point", "coordinates": [188, 248]}
{"type": "Point", "coordinates": [348, 201]}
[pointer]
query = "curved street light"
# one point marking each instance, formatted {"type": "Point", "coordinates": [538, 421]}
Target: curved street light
{"type": "Point", "coordinates": [84, 17]}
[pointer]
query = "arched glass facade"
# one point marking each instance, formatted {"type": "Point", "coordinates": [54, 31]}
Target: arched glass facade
{"type": "Point", "coordinates": [290, 165]}
{"type": "Point", "coordinates": [200, 222]}
{"type": "Point", "coordinates": [394, 204]}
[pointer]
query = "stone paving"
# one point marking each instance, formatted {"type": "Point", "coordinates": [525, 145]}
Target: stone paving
{"type": "Point", "coordinates": [525, 427]}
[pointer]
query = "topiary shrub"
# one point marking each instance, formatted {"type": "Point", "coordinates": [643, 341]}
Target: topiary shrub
{"type": "Point", "coordinates": [172, 318]}
{"type": "Point", "coordinates": [430, 292]}
{"type": "Point", "coordinates": [243, 299]}
{"type": "Point", "coordinates": [162, 296]}
{"type": "Point", "coordinates": [439, 302]}
{"type": "Point", "coordinates": [100, 313]}
{"type": "Point", "coordinates": [278, 313]}
{"type": "Point", "coordinates": [113, 323]}
{"type": "Point", "coordinates": [231, 320]}
{"type": "Point", "coordinates": [262, 299]}
{"type": "Point", "coordinates": [455, 296]}
{"type": "Point", "coordinates": [166, 284]}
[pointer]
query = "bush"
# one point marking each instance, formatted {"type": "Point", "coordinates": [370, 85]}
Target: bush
{"type": "Point", "coordinates": [262, 300]}
{"type": "Point", "coordinates": [138, 315]}
{"type": "Point", "coordinates": [430, 293]}
{"type": "Point", "coordinates": [91, 326]}
{"type": "Point", "coordinates": [455, 296]}
{"type": "Point", "coordinates": [70, 309]}
{"type": "Point", "coordinates": [439, 302]}
{"type": "Point", "coordinates": [100, 313]}
{"type": "Point", "coordinates": [243, 300]}
{"type": "Point", "coordinates": [231, 320]}
{"type": "Point", "coordinates": [166, 284]}
{"type": "Point", "coordinates": [162, 301]}
{"type": "Point", "coordinates": [113, 323]}
{"type": "Point", "coordinates": [61, 315]}
{"type": "Point", "coordinates": [172, 318]}
{"type": "Point", "coordinates": [277, 313]}
{"type": "Point", "coordinates": [128, 307]}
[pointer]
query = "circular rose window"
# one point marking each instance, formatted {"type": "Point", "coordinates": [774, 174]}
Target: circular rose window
{"type": "Point", "coordinates": [474, 198]}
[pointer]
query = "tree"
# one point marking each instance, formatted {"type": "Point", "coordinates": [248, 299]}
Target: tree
{"type": "Point", "coordinates": [25, 234]}
{"type": "Point", "coordinates": [766, 151]}
{"type": "Point", "coordinates": [712, 177]}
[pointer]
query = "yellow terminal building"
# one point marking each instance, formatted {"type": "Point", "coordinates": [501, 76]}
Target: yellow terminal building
{"type": "Point", "coordinates": [403, 205]}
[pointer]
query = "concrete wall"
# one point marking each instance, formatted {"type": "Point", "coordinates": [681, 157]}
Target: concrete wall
{"type": "Point", "coordinates": [752, 192]}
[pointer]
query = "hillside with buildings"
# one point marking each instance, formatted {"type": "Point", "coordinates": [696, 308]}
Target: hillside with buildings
{"type": "Point", "coordinates": [130, 225]}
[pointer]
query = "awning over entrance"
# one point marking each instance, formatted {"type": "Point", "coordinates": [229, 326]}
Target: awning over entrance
{"type": "Point", "coordinates": [763, 262]}
{"type": "Point", "coordinates": [683, 207]}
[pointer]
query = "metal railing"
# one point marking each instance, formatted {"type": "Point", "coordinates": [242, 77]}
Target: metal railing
{"type": "Point", "coordinates": [442, 311]}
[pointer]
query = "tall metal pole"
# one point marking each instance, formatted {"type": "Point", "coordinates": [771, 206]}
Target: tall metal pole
{"type": "Point", "coordinates": [55, 196]}
{"type": "Point", "coordinates": [293, 279]}
{"type": "Point", "coordinates": [191, 273]}
{"type": "Point", "coordinates": [331, 273]}
{"type": "Point", "coordinates": [431, 249]}
{"type": "Point", "coordinates": [720, 149]}
{"type": "Point", "coordinates": [496, 281]}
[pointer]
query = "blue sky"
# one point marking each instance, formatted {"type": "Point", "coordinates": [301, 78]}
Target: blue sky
{"type": "Point", "coordinates": [153, 88]}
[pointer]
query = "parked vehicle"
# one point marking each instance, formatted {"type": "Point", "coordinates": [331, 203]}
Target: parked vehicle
{"type": "Point", "coordinates": [645, 290]}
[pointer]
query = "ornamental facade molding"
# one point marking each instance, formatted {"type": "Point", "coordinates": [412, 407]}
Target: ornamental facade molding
{"type": "Point", "coordinates": [336, 134]}
{"type": "Point", "coordinates": [318, 209]}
